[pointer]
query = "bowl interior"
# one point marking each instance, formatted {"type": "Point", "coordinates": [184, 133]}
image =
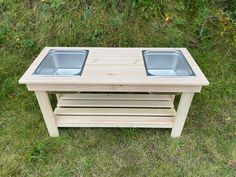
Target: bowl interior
{"type": "Point", "coordinates": [166, 63]}
{"type": "Point", "coordinates": [62, 63]}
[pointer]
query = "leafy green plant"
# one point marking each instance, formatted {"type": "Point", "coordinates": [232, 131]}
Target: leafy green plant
{"type": "Point", "coordinates": [55, 4]}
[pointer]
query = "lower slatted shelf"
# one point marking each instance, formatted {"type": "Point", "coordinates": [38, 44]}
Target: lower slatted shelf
{"type": "Point", "coordinates": [115, 110]}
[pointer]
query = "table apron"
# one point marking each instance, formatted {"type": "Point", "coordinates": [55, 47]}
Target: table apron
{"type": "Point", "coordinates": [114, 88]}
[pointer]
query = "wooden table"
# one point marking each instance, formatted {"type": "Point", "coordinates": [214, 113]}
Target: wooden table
{"type": "Point", "coordinates": [114, 91]}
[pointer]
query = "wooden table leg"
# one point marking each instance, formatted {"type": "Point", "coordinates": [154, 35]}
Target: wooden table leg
{"type": "Point", "coordinates": [58, 96]}
{"type": "Point", "coordinates": [47, 112]}
{"type": "Point", "coordinates": [182, 112]}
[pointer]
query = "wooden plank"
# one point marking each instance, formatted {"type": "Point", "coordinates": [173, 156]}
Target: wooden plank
{"type": "Point", "coordinates": [115, 96]}
{"type": "Point", "coordinates": [113, 88]}
{"type": "Point", "coordinates": [115, 111]}
{"type": "Point", "coordinates": [117, 72]}
{"type": "Point", "coordinates": [114, 52]}
{"type": "Point", "coordinates": [47, 112]}
{"type": "Point", "coordinates": [114, 103]}
{"type": "Point", "coordinates": [115, 121]}
{"type": "Point", "coordinates": [118, 61]}
{"type": "Point", "coordinates": [182, 112]}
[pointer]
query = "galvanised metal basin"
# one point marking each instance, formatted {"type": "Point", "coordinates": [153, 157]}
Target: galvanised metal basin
{"type": "Point", "coordinates": [62, 63]}
{"type": "Point", "coordinates": [166, 64]}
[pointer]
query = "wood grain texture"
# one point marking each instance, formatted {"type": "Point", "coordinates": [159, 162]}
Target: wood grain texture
{"type": "Point", "coordinates": [182, 112]}
{"type": "Point", "coordinates": [115, 121]}
{"type": "Point", "coordinates": [114, 88]}
{"type": "Point", "coordinates": [47, 112]}
{"type": "Point", "coordinates": [115, 96]}
{"type": "Point", "coordinates": [115, 66]}
{"type": "Point", "coordinates": [115, 100]}
{"type": "Point", "coordinates": [115, 111]}
{"type": "Point", "coordinates": [114, 103]}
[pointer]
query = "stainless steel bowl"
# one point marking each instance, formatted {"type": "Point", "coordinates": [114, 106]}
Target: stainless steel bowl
{"type": "Point", "coordinates": [62, 63]}
{"type": "Point", "coordinates": [166, 64]}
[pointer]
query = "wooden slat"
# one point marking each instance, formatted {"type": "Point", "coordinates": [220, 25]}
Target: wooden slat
{"type": "Point", "coordinates": [70, 87]}
{"type": "Point", "coordinates": [117, 96]}
{"type": "Point", "coordinates": [118, 61]}
{"type": "Point", "coordinates": [114, 121]}
{"type": "Point", "coordinates": [114, 103]}
{"type": "Point", "coordinates": [116, 72]}
{"type": "Point", "coordinates": [115, 111]}
{"type": "Point", "coordinates": [115, 52]}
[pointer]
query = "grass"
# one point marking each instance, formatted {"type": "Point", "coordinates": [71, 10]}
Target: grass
{"type": "Point", "coordinates": [207, 146]}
